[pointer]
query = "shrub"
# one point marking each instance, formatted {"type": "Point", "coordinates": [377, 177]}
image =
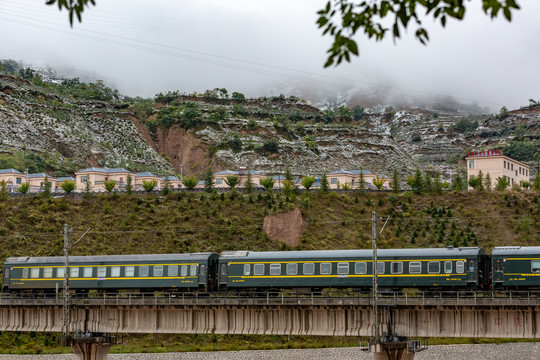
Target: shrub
{"type": "Point", "coordinates": [232, 181]}
{"type": "Point", "coordinates": [238, 96]}
{"type": "Point", "coordinates": [68, 186]}
{"type": "Point", "coordinates": [149, 185]}
{"type": "Point", "coordinates": [521, 150]}
{"type": "Point", "coordinates": [189, 182]}
{"type": "Point", "coordinates": [308, 181]}
{"type": "Point", "coordinates": [378, 182]}
{"type": "Point", "coordinates": [109, 185]}
{"type": "Point", "coordinates": [3, 190]}
{"type": "Point", "coordinates": [23, 189]}
{"type": "Point", "coordinates": [502, 183]}
{"type": "Point", "coordinates": [47, 185]}
{"type": "Point", "coordinates": [415, 137]}
{"type": "Point", "coordinates": [268, 183]}
{"type": "Point", "coordinates": [465, 126]}
{"type": "Point", "coordinates": [271, 146]}
{"type": "Point", "coordinates": [129, 185]}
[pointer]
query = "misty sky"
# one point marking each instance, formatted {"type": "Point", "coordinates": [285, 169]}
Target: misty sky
{"type": "Point", "coordinates": [265, 47]}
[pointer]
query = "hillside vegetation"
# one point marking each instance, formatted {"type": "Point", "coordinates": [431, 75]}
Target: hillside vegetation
{"type": "Point", "coordinates": [192, 222]}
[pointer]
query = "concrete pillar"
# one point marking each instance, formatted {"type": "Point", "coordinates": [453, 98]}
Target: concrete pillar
{"type": "Point", "coordinates": [89, 346]}
{"type": "Point", "coordinates": [391, 351]}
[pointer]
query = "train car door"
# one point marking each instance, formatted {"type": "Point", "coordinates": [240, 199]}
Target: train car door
{"type": "Point", "coordinates": [223, 274]}
{"type": "Point", "coordinates": [498, 273]}
{"type": "Point", "coordinates": [471, 272]}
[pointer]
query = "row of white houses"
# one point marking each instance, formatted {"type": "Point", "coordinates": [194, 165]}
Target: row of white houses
{"type": "Point", "coordinates": [94, 178]}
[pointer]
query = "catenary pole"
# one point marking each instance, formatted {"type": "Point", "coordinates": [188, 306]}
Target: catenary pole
{"type": "Point", "coordinates": [374, 236]}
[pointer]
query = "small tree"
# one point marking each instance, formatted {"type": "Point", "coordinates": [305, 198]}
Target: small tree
{"type": "Point", "coordinates": [149, 185]}
{"type": "Point", "coordinates": [475, 182]}
{"type": "Point", "coordinates": [109, 185]}
{"type": "Point", "coordinates": [288, 175]}
{"type": "Point", "coordinates": [268, 183]}
{"type": "Point", "coordinates": [416, 182]}
{"type": "Point", "coordinates": [248, 186]}
{"type": "Point", "coordinates": [189, 182]}
{"type": "Point", "coordinates": [129, 185]}
{"type": "Point", "coordinates": [502, 183]}
{"type": "Point", "coordinates": [324, 183]}
{"type": "Point", "coordinates": [308, 181]}
{"type": "Point", "coordinates": [428, 185]}
{"type": "Point", "coordinates": [395, 182]}
{"type": "Point", "coordinates": [23, 189]}
{"type": "Point", "coordinates": [378, 182]}
{"type": "Point", "coordinates": [232, 181]}
{"type": "Point", "coordinates": [68, 186]}
{"type": "Point", "coordinates": [487, 182]}
{"type": "Point", "coordinates": [3, 190]}
{"type": "Point", "coordinates": [437, 186]}
{"type": "Point", "coordinates": [481, 186]}
{"type": "Point", "coordinates": [361, 181]}
{"type": "Point", "coordinates": [88, 187]}
{"type": "Point", "coordinates": [536, 181]}
{"type": "Point", "coordinates": [47, 185]}
{"type": "Point", "coordinates": [166, 186]}
{"type": "Point", "coordinates": [457, 184]}
{"type": "Point", "coordinates": [525, 184]}
{"type": "Point", "coordinates": [208, 178]}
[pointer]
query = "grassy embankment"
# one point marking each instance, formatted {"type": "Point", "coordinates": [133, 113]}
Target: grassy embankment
{"type": "Point", "coordinates": [212, 222]}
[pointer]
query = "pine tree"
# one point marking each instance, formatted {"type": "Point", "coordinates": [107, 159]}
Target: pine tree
{"type": "Point", "coordinates": [248, 186]}
{"type": "Point", "coordinates": [324, 183]}
{"type": "Point", "coordinates": [395, 181]}
{"type": "Point", "coordinates": [487, 182]}
{"type": "Point", "coordinates": [208, 178]}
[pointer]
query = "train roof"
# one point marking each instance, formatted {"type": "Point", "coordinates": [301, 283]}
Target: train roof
{"type": "Point", "coordinates": [516, 250]}
{"type": "Point", "coordinates": [361, 253]}
{"type": "Point", "coordinates": [112, 258]}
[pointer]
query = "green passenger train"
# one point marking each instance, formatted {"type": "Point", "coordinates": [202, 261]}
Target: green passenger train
{"type": "Point", "coordinates": [437, 268]}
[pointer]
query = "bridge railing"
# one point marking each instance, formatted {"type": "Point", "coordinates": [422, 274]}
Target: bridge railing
{"type": "Point", "coordinates": [330, 298]}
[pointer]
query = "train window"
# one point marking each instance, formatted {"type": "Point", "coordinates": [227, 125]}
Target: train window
{"type": "Point", "coordinates": [183, 270]}
{"type": "Point", "coordinates": [87, 271]}
{"type": "Point", "coordinates": [258, 269]}
{"type": "Point", "coordinates": [25, 273]}
{"type": "Point", "coordinates": [275, 269]}
{"type": "Point", "coordinates": [129, 271]}
{"type": "Point", "coordinates": [115, 271]}
{"type": "Point", "coordinates": [172, 270]}
{"type": "Point", "coordinates": [360, 268]}
{"type": "Point", "coordinates": [447, 267]}
{"type": "Point", "coordinates": [74, 272]}
{"type": "Point", "coordinates": [247, 269]}
{"type": "Point", "coordinates": [60, 273]}
{"type": "Point", "coordinates": [292, 269]}
{"type": "Point", "coordinates": [434, 267]}
{"type": "Point", "coordinates": [380, 268]}
{"type": "Point", "coordinates": [6, 273]}
{"type": "Point", "coordinates": [143, 270]}
{"type": "Point", "coordinates": [498, 265]}
{"type": "Point", "coordinates": [343, 268]}
{"type": "Point", "coordinates": [309, 269]}
{"type": "Point", "coordinates": [223, 269]}
{"type": "Point", "coordinates": [101, 271]}
{"type": "Point", "coordinates": [34, 273]}
{"type": "Point", "coordinates": [193, 270]}
{"type": "Point", "coordinates": [415, 267]}
{"type": "Point", "coordinates": [535, 266]}
{"type": "Point", "coordinates": [47, 273]}
{"type": "Point", "coordinates": [326, 268]}
{"type": "Point", "coordinates": [158, 270]}
{"type": "Point", "coordinates": [460, 267]}
{"type": "Point", "coordinates": [202, 272]}
{"type": "Point", "coordinates": [396, 267]}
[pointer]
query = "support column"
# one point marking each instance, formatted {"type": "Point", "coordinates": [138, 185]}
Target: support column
{"type": "Point", "coordinates": [89, 346]}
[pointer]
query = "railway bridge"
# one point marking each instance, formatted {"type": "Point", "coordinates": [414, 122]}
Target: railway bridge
{"type": "Point", "coordinates": [422, 314]}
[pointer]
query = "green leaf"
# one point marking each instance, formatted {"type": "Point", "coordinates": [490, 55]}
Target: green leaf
{"type": "Point", "coordinates": [507, 14]}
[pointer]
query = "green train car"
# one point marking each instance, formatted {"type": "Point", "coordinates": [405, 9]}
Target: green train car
{"type": "Point", "coordinates": [515, 267]}
{"type": "Point", "coordinates": [112, 272]}
{"type": "Point", "coordinates": [446, 268]}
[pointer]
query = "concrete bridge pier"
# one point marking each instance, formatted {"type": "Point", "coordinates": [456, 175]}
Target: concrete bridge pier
{"type": "Point", "coordinates": [89, 346]}
{"type": "Point", "coordinates": [394, 350]}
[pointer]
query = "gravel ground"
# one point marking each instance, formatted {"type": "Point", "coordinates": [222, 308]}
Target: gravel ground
{"type": "Point", "coordinates": [521, 351]}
